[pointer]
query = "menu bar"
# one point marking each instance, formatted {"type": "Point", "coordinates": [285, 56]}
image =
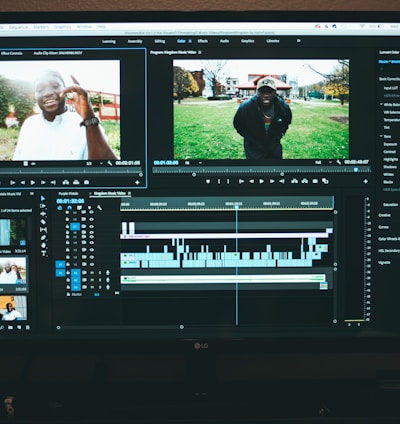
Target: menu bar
{"type": "Point", "coordinates": [198, 28]}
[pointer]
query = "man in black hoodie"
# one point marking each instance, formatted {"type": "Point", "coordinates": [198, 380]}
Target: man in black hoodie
{"type": "Point", "coordinates": [262, 121]}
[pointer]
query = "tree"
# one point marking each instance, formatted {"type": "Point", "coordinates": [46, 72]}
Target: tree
{"type": "Point", "coordinates": [337, 83]}
{"type": "Point", "coordinates": [23, 100]}
{"type": "Point", "coordinates": [18, 230]}
{"type": "Point", "coordinates": [4, 100]}
{"type": "Point", "coordinates": [214, 72]}
{"type": "Point", "coordinates": [184, 83]}
{"type": "Point", "coordinates": [17, 95]}
{"type": "Point", "coordinates": [98, 100]}
{"type": "Point", "coordinates": [199, 78]}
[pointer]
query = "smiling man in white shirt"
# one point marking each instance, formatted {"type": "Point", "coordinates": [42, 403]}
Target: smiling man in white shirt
{"type": "Point", "coordinates": [58, 134]}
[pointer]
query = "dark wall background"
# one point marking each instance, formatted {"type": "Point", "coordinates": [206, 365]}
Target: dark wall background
{"type": "Point", "coordinates": [93, 5]}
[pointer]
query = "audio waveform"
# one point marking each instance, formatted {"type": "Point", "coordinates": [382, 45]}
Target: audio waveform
{"type": "Point", "coordinates": [179, 253]}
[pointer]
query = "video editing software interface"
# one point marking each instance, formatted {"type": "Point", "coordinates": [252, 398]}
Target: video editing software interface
{"type": "Point", "coordinates": [200, 176]}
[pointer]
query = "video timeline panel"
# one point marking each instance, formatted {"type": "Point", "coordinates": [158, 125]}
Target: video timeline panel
{"type": "Point", "coordinates": [248, 255]}
{"type": "Point", "coordinates": [230, 246]}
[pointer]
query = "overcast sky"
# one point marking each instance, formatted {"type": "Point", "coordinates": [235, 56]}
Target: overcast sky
{"type": "Point", "coordinates": [295, 69]}
{"type": "Point", "coordinates": [101, 75]}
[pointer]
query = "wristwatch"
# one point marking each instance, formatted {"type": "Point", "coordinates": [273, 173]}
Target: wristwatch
{"type": "Point", "coordinates": [89, 122]}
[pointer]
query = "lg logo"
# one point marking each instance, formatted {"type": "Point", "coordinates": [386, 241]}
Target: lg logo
{"type": "Point", "coordinates": [200, 346]}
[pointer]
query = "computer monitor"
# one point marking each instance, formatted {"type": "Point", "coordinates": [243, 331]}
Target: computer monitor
{"type": "Point", "coordinates": [207, 176]}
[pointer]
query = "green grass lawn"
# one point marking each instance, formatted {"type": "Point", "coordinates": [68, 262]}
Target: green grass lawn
{"type": "Point", "coordinates": [204, 130]}
{"type": "Point", "coordinates": [9, 138]}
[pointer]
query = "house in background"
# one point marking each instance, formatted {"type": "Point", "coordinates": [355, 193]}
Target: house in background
{"type": "Point", "coordinates": [249, 87]}
{"type": "Point", "coordinates": [231, 86]}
